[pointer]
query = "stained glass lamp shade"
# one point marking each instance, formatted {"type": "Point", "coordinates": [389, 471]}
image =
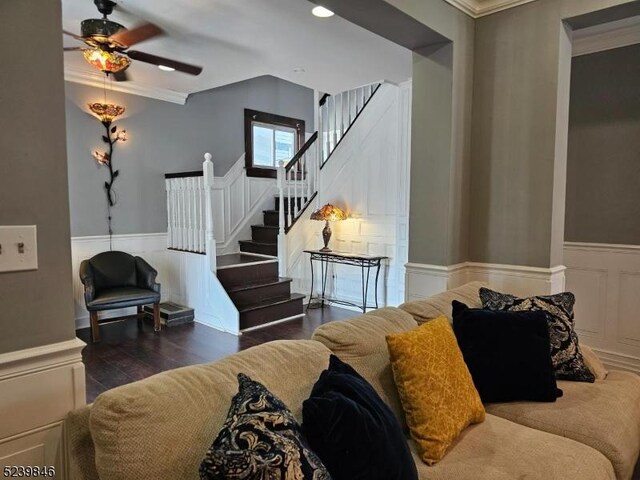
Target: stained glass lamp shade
{"type": "Point", "coordinates": [105, 61]}
{"type": "Point", "coordinates": [328, 213]}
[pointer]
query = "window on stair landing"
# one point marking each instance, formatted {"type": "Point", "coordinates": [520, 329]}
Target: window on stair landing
{"type": "Point", "coordinates": [269, 139]}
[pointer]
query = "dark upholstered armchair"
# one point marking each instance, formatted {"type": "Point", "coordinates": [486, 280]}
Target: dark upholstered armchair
{"type": "Point", "coordinates": [114, 280]}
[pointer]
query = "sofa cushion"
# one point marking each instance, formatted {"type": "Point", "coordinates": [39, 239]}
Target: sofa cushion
{"type": "Point", "coordinates": [440, 304]}
{"type": "Point", "coordinates": [260, 439]}
{"type": "Point", "coordinates": [361, 343]}
{"type": "Point", "coordinates": [436, 389]}
{"type": "Point", "coordinates": [507, 353]}
{"type": "Point", "coordinates": [160, 428]}
{"type": "Point", "coordinates": [497, 449]}
{"type": "Point", "coordinates": [352, 430]}
{"type": "Point", "coordinates": [565, 350]}
{"type": "Point", "coordinates": [604, 415]}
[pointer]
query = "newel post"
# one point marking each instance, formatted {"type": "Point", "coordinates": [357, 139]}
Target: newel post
{"type": "Point", "coordinates": [207, 167]}
{"type": "Point", "coordinates": [282, 237]}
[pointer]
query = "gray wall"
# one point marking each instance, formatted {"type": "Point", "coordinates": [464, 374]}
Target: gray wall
{"type": "Point", "coordinates": [520, 111]}
{"type": "Point", "coordinates": [441, 133]}
{"type": "Point", "coordinates": [603, 198]}
{"type": "Point", "coordinates": [163, 137]}
{"type": "Point", "coordinates": [37, 306]}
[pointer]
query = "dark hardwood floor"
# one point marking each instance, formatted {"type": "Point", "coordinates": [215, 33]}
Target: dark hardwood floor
{"type": "Point", "coordinates": [127, 353]}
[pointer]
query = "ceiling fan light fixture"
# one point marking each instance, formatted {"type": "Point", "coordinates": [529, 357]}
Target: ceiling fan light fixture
{"type": "Point", "coordinates": [322, 12]}
{"type": "Point", "coordinates": [107, 62]}
{"type": "Point", "coordinates": [166, 68]}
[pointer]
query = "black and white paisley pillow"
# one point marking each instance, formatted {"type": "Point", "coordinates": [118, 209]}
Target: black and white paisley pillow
{"type": "Point", "coordinates": [260, 440]}
{"type": "Point", "coordinates": [567, 358]}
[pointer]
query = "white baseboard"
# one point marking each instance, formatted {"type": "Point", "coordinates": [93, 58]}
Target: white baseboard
{"type": "Point", "coordinates": [424, 280]}
{"type": "Point", "coordinates": [39, 387]}
{"type": "Point", "coordinates": [618, 361]}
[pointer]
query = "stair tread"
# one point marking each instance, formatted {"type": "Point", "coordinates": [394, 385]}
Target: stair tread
{"type": "Point", "coordinates": [270, 227]}
{"type": "Point", "coordinates": [257, 243]}
{"type": "Point", "coordinates": [271, 302]}
{"type": "Point", "coordinates": [242, 258]}
{"type": "Point", "coordinates": [263, 283]}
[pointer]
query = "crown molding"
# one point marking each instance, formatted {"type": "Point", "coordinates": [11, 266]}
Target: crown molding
{"type": "Point", "coordinates": [477, 8]}
{"type": "Point", "coordinates": [91, 79]}
{"type": "Point", "coordinates": [608, 36]}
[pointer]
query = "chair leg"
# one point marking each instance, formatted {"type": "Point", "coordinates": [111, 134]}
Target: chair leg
{"type": "Point", "coordinates": [95, 329]}
{"type": "Point", "coordinates": [140, 315]}
{"type": "Point", "coordinates": [156, 317]}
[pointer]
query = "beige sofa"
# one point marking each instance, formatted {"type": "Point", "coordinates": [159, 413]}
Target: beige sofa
{"type": "Point", "coordinates": [160, 428]}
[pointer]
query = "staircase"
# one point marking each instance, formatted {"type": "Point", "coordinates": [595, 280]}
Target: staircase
{"type": "Point", "coordinates": [264, 238]}
{"type": "Point", "coordinates": [254, 279]}
{"type": "Point", "coordinates": [259, 294]}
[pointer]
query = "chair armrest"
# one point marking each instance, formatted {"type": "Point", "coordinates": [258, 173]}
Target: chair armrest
{"type": "Point", "coordinates": [86, 277]}
{"type": "Point", "coordinates": [146, 275]}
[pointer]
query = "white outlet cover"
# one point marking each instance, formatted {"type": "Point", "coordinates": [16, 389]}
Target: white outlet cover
{"type": "Point", "coordinates": [12, 259]}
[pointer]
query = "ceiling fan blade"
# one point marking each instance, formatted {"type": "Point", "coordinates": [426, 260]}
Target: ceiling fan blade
{"type": "Point", "coordinates": [77, 37]}
{"type": "Point", "coordinates": [121, 76]}
{"type": "Point", "coordinates": [136, 34]}
{"type": "Point", "coordinates": [72, 49]}
{"type": "Point", "coordinates": [155, 60]}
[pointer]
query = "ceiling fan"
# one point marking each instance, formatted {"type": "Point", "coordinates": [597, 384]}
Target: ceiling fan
{"type": "Point", "coordinates": [108, 45]}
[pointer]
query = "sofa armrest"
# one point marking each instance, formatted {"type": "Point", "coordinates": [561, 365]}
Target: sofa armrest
{"type": "Point", "coordinates": [594, 363]}
{"type": "Point", "coordinates": [79, 445]}
{"type": "Point", "coordinates": [86, 277]}
{"type": "Point", "coordinates": [146, 275]}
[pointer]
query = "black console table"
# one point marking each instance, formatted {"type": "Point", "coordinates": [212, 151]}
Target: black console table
{"type": "Point", "coordinates": [365, 262]}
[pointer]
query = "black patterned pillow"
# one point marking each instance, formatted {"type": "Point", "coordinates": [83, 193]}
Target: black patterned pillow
{"type": "Point", "coordinates": [567, 358]}
{"type": "Point", "coordinates": [260, 440]}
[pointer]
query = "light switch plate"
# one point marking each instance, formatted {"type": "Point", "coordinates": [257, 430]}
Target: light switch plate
{"type": "Point", "coordinates": [18, 248]}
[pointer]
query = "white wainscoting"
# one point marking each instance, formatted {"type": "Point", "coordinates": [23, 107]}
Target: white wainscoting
{"type": "Point", "coordinates": [368, 175]}
{"type": "Point", "coordinates": [238, 203]}
{"type": "Point", "coordinates": [185, 277]}
{"type": "Point", "coordinates": [52, 378]}
{"type": "Point", "coordinates": [606, 282]}
{"type": "Point", "coordinates": [150, 246]}
{"type": "Point", "coordinates": [426, 280]}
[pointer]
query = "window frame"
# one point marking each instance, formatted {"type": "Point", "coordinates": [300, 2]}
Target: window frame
{"type": "Point", "coordinates": [255, 116]}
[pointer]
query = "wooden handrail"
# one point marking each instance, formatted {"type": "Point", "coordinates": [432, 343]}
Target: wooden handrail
{"type": "Point", "coordinates": [296, 158]}
{"type": "Point", "coordinates": [198, 173]}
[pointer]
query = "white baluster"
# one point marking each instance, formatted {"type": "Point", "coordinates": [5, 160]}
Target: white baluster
{"type": "Point", "coordinates": [185, 226]}
{"type": "Point", "coordinates": [323, 129]}
{"type": "Point", "coordinates": [167, 183]}
{"type": "Point", "coordinates": [294, 171]}
{"type": "Point", "coordinates": [282, 239]}
{"type": "Point", "coordinates": [353, 108]}
{"type": "Point", "coordinates": [332, 124]}
{"type": "Point", "coordinates": [188, 213]}
{"type": "Point", "coordinates": [367, 93]}
{"type": "Point", "coordinates": [194, 213]}
{"type": "Point", "coordinates": [207, 166]}
{"type": "Point", "coordinates": [306, 172]}
{"type": "Point", "coordinates": [288, 177]}
{"type": "Point", "coordinates": [203, 218]}
{"type": "Point", "coordinates": [339, 126]}
{"type": "Point", "coordinates": [361, 100]}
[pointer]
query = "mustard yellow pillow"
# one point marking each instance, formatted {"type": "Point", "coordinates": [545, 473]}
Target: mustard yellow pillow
{"type": "Point", "coordinates": [436, 389]}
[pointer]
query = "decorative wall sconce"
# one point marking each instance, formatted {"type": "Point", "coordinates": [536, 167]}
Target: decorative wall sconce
{"type": "Point", "coordinates": [106, 112]}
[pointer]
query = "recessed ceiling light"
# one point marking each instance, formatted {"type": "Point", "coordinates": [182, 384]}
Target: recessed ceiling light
{"type": "Point", "coordinates": [322, 12]}
{"type": "Point", "coordinates": [299, 70]}
{"type": "Point", "coordinates": [166, 69]}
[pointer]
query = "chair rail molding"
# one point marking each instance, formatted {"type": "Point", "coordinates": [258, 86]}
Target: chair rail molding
{"type": "Point", "coordinates": [480, 8]}
{"type": "Point", "coordinates": [605, 279]}
{"type": "Point", "coordinates": [425, 280]}
{"type": "Point", "coordinates": [52, 378]}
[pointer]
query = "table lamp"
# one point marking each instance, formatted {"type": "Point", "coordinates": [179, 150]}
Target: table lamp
{"type": "Point", "coordinates": [328, 213]}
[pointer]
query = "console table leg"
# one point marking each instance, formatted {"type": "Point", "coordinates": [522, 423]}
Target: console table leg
{"type": "Point", "coordinates": [311, 292]}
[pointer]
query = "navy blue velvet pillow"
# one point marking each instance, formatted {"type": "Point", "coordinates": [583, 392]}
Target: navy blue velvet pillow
{"type": "Point", "coordinates": [355, 434]}
{"type": "Point", "coordinates": [507, 353]}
